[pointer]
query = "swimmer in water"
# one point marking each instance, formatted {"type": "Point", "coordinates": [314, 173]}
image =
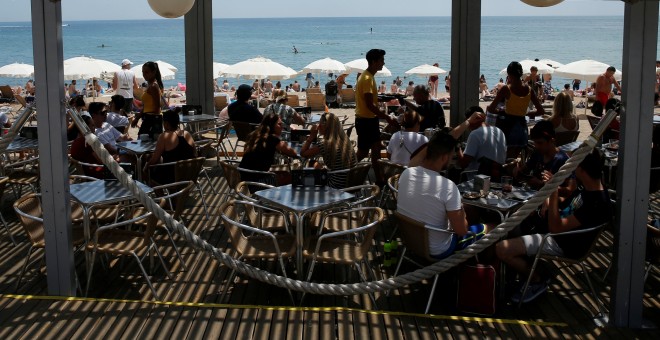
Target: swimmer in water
{"type": "Point", "coordinates": [295, 50]}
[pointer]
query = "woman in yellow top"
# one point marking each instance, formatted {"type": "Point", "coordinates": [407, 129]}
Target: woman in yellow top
{"type": "Point", "coordinates": [152, 119]}
{"type": "Point", "coordinates": [516, 97]}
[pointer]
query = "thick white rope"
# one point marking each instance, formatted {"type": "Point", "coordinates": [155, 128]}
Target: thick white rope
{"type": "Point", "coordinates": [355, 288]}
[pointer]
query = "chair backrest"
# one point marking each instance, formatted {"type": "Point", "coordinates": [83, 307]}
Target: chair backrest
{"type": "Point", "coordinates": [393, 184]}
{"type": "Point", "coordinates": [188, 169]}
{"type": "Point", "coordinates": [358, 174]}
{"type": "Point", "coordinates": [414, 236]}
{"type": "Point", "coordinates": [28, 210]}
{"type": "Point", "coordinates": [220, 102]}
{"type": "Point", "coordinates": [266, 177]}
{"type": "Point", "coordinates": [230, 212]}
{"type": "Point", "coordinates": [347, 95]}
{"type": "Point", "coordinates": [566, 137]}
{"type": "Point", "coordinates": [316, 101]}
{"type": "Point", "coordinates": [174, 196]}
{"type": "Point", "coordinates": [293, 100]}
{"type": "Point", "coordinates": [21, 100]}
{"type": "Point", "coordinates": [231, 174]}
{"type": "Point", "coordinates": [7, 92]}
{"type": "Point", "coordinates": [598, 229]}
{"type": "Point", "coordinates": [387, 169]}
{"type": "Point", "coordinates": [244, 189]}
{"type": "Point", "coordinates": [593, 121]}
{"type": "Point", "coordinates": [242, 129]}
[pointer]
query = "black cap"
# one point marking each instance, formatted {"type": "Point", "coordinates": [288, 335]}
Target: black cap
{"type": "Point", "coordinates": [244, 91]}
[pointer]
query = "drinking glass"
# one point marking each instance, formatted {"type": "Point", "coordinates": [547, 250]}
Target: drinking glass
{"type": "Point", "coordinates": [507, 183]}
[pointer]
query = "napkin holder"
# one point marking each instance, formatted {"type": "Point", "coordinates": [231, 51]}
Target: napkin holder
{"type": "Point", "coordinates": [309, 177]}
{"type": "Point", "coordinates": [481, 184]}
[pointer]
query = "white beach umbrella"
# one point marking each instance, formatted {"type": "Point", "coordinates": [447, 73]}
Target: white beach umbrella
{"type": "Point", "coordinates": [165, 72]}
{"type": "Point", "coordinates": [17, 70]}
{"type": "Point", "coordinates": [527, 65]}
{"type": "Point", "coordinates": [259, 68]}
{"type": "Point", "coordinates": [325, 65]}
{"type": "Point", "coordinates": [87, 67]}
{"type": "Point", "coordinates": [218, 68]}
{"type": "Point", "coordinates": [359, 65]}
{"type": "Point", "coordinates": [552, 63]}
{"type": "Point", "coordinates": [587, 70]}
{"type": "Point", "coordinates": [165, 65]}
{"type": "Point", "coordinates": [425, 70]}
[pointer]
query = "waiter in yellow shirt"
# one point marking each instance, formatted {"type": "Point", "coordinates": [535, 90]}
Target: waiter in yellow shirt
{"type": "Point", "coordinates": [367, 112]}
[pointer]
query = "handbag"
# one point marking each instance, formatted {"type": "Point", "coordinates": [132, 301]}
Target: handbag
{"type": "Point", "coordinates": [476, 292]}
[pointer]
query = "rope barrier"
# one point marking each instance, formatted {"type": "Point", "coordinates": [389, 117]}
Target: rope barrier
{"type": "Point", "coordinates": [356, 288]}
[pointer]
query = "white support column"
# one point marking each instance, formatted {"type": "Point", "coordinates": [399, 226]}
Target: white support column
{"type": "Point", "coordinates": [465, 57]}
{"type": "Point", "coordinates": [199, 56]}
{"type": "Point", "coordinates": [49, 74]}
{"type": "Point", "coordinates": [640, 37]}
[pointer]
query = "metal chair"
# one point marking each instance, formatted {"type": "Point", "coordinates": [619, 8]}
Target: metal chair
{"type": "Point", "coordinates": [570, 261]}
{"type": "Point", "coordinates": [251, 243]}
{"type": "Point", "coordinates": [387, 169]}
{"type": "Point", "coordinates": [28, 210]}
{"type": "Point", "coordinates": [23, 173]}
{"type": "Point", "coordinates": [415, 239]}
{"type": "Point", "coordinates": [257, 215]}
{"type": "Point", "coordinates": [187, 170]}
{"type": "Point", "coordinates": [335, 248]}
{"type": "Point", "coordinates": [266, 177]}
{"type": "Point", "coordinates": [111, 240]}
{"type": "Point", "coordinates": [566, 137]}
{"type": "Point", "coordinates": [242, 130]}
{"type": "Point", "coordinates": [351, 177]}
{"type": "Point", "coordinates": [3, 185]}
{"type": "Point", "coordinates": [231, 175]}
{"type": "Point", "coordinates": [365, 196]}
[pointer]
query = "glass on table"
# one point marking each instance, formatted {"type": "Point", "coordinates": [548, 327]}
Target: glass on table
{"type": "Point", "coordinates": [507, 183]}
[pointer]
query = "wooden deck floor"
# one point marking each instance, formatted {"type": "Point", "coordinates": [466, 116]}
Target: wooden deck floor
{"type": "Point", "coordinates": [120, 303]}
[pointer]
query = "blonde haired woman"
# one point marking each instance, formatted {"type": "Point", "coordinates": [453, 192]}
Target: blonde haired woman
{"type": "Point", "coordinates": [563, 118]}
{"type": "Point", "coordinates": [336, 148]}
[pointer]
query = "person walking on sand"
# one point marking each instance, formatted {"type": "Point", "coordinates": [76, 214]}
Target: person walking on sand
{"type": "Point", "coordinates": [310, 80]}
{"type": "Point", "coordinates": [604, 84]}
{"type": "Point", "coordinates": [124, 83]}
{"type": "Point", "coordinates": [367, 113]}
{"type": "Point", "coordinates": [433, 83]}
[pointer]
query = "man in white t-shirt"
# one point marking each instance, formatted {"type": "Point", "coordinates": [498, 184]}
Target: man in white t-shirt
{"type": "Point", "coordinates": [107, 135]}
{"type": "Point", "coordinates": [432, 199]}
{"type": "Point", "coordinates": [486, 144]}
{"type": "Point", "coordinates": [404, 143]}
{"type": "Point", "coordinates": [124, 83]}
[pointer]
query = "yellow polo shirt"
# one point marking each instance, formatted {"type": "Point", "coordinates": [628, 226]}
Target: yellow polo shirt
{"type": "Point", "coordinates": [365, 84]}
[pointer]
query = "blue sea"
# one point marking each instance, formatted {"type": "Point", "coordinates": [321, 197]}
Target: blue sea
{"type": "Point", "coordinates": [408, 41]}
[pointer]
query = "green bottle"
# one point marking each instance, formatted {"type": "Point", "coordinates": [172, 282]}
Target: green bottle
{"type": "Point", "coordinates": [387, 256]}
{"type": "Point", "coordinates": [394, 245]}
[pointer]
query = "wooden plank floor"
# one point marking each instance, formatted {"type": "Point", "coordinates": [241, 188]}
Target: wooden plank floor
{"type": "Point", "coordinates": [120, 303]}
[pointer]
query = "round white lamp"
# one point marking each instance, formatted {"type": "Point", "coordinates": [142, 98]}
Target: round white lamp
{"type": "Point", "coordinates": [542, 3]}
{"type": "Point", "coordinates": [171, 8]}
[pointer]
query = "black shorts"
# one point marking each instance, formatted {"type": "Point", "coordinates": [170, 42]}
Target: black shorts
{"type": "Point", "coordinates": [368, 131]}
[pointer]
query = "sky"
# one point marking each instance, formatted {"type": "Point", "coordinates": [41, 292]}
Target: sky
{"type": "Point", "coordinates": [139, 9]}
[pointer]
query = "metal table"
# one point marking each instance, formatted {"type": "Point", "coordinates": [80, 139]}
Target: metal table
{"type": "Point", "coordinates": [137, 149]}
{"type": "Point", "coordinates": [301, 201]}
{"type": "Point", "coordinates": [196, 120]}
{"type": "Point", "coordinates": [506, 204]}
{"type": "Point", "coordinates": [90, 194]}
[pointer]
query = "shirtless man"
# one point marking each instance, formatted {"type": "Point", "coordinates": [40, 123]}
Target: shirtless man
{"type": "Point", "coordinates": [604, 84]}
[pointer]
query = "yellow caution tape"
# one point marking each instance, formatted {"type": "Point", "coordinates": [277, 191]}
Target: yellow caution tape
{"type": "Point", "coordinates": [290, 309]}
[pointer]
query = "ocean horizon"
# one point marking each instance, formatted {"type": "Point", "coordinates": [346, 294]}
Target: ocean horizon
{"type": "Point", "coordinates": [408, 41]}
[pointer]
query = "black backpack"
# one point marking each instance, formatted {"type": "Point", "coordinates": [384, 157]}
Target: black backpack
{"type": "Point", "coordinates": [331, 89]}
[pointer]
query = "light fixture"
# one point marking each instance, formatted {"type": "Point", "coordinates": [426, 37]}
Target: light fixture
{"type": "Point", "coordinates": [542, 3]}
{"type": "Point", "coordinates": [171, 8]}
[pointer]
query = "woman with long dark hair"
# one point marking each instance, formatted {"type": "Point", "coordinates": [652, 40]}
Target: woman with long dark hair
{"type": "Point", "coordinates": [262, 144]}
{"type": "Point", "coordinates": [152, 120]}
{"type": "Point", "coordinates": [173, 145]}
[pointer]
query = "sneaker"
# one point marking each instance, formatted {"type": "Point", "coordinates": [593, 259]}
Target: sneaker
{"type": "Point", "coordinates": [533, 291]}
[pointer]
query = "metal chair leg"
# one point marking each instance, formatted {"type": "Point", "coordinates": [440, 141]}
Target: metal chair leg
{"type": "Point", "coordinates": [398, 266]}
{"type": "Point", "coordinates": [601, 311]}
{"type": "Point", "coordinates": [89, 272]}
{"type": "Point", "coordinates": [206, 210]}
{"type": "Point", "coordinates": [4, 223]}
{"type": "Point", "coordinates": [230, 281]}
{"type": "Point", "coordinates": [176, 249]}
{"type": "Point", "coordinates": [146, 277]}
{"type": "Point", "coordinates": [162, 261]}
{"type": "Point", "coordinates": [27, 261]}
{"type": "Point", "coordinates": [364, 279]}
{"type": "Point", "coordinates": [435, 283]}
{"type": "Point", "coordinates": [529, 279]}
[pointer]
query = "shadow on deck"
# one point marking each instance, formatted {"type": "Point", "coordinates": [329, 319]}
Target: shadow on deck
{"type": "Point", "coordinates": [120, 301]}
